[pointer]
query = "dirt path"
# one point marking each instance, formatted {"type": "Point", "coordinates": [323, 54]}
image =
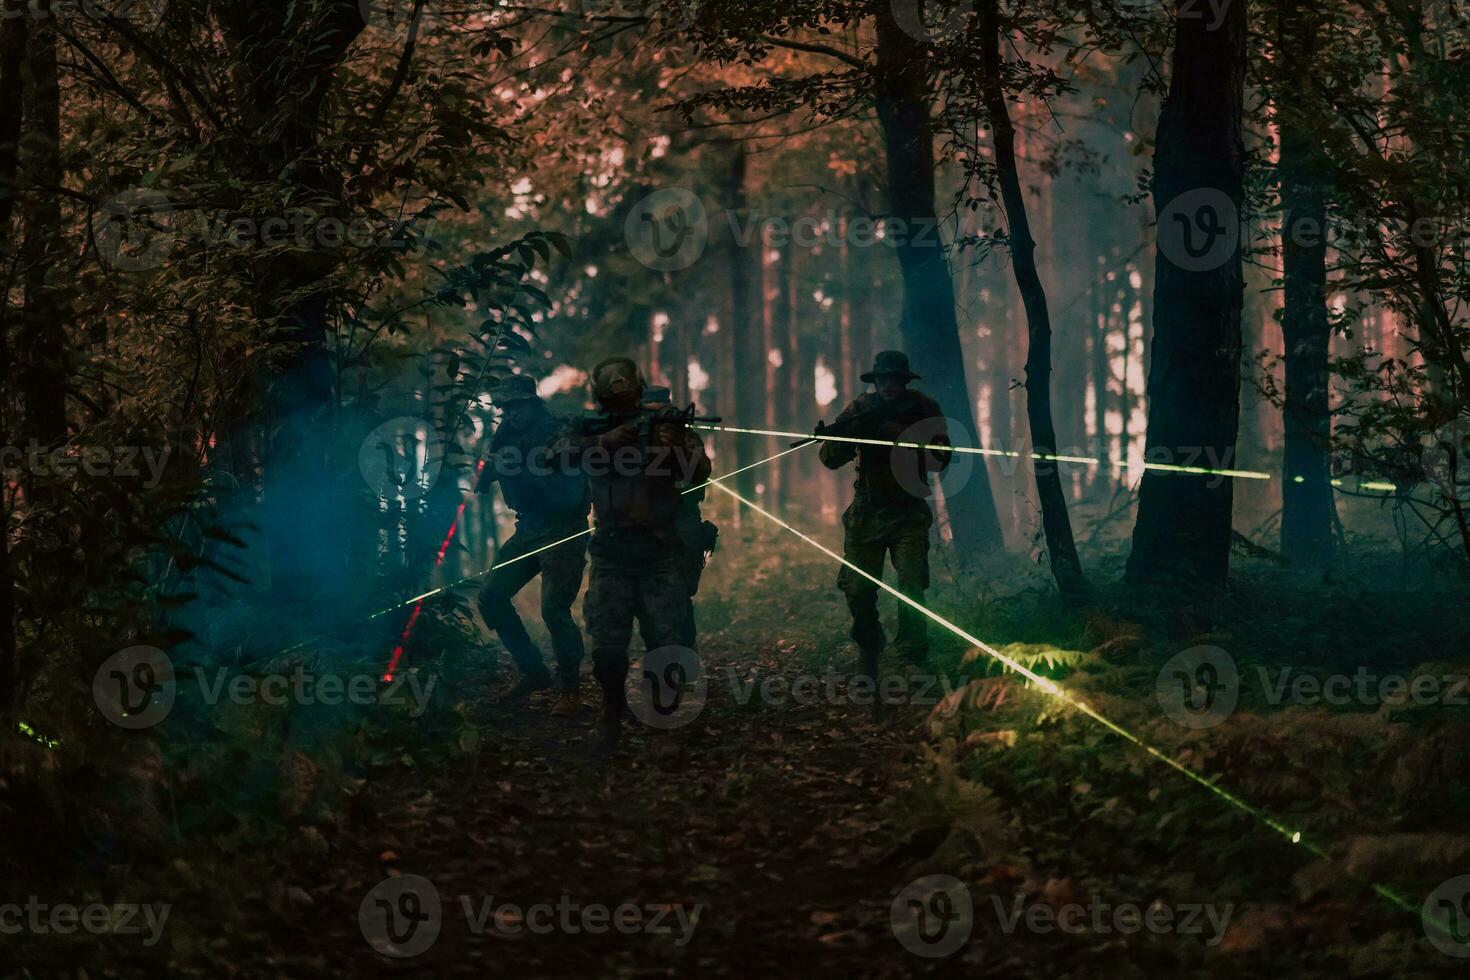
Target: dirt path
{"type": "Point", "coordinates": [760, 823]}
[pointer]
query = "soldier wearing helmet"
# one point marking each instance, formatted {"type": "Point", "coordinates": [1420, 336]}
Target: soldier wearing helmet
{"type": "Point", "coordinates": [635, 471]}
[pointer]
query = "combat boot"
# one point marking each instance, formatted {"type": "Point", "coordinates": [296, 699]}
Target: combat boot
{"type": "Point", "coordinates": [868, 667]}
{"type": "Point", "coordinates": [530, 682]}
{"type": "Point", "coordinates": [610, 725]}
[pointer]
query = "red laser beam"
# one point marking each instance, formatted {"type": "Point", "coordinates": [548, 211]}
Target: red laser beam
{"type": "Point", "coordinates": [418, 608]}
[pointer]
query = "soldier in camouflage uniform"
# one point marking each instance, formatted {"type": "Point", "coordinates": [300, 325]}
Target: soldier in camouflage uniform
{"type": "Point", "coordinates": [890, 513]}
{"type": "Point", "coordinates": [696, 535]}
{"type": "Point", "coordinates": [635, 549]}
{"type": "Point", "coordinates": [550, 505]}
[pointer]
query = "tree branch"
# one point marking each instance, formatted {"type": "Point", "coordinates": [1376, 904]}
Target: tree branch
{"type": "Point", "coordinates": [821, 49]}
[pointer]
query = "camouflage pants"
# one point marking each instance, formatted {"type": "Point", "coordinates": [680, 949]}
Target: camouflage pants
{"type": "Point", "coordinates": [689, 528]}
{"type": "Point", "coordinates": [873, 532]}
{"type": "Point", "coordinates": [560, 569]}
{"type": "Point", "coordinates": [653, 591]}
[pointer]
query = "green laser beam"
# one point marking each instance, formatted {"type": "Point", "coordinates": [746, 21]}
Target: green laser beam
{"type": "Point", "coordinates": [1050, 687]}
{"type": "Point", "coordinates": [36, 736]}
{"type": "Point", "coordinates": [1049, 457]}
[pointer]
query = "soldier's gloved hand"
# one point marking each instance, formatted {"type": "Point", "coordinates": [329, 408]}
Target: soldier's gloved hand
{"type": "Point", "coordinates": [666, 434]}
{"type": "Point", "coordinates": [623, 435]}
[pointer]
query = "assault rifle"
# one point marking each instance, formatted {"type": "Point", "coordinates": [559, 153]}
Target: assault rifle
{"type": "Point", "coordinates": [645, 419]}
{"type": "Point", "coordinates": [848, 427]}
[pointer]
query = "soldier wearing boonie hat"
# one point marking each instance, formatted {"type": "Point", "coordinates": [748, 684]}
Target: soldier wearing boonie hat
{"type": "Point", "coordinates": [890, 514]}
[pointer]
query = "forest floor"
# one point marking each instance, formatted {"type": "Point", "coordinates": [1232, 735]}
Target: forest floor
{"type": "Point", "coordinates": [781, 833]}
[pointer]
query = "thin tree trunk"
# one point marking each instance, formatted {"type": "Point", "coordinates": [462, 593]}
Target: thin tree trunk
{"type": "Point", "coordinates": [846, 389]}
{"type": "Point", "coordinates": [41, 339]}
{"type": "Point", "coordinates": [1184, 520]}
{"type": "Point", "coordinates": [772, 339]}
{"type": "Point", "coordinates": [793, 367]}
{"type": "Point", "coordinates": [1306, 495]}
{"type": "Point", "coordinates": [1065, 565]}
{"type": "Point", "coordinates": [928, 324]}
{"type": "Point", "coordinates": [745, 335]}
{"type": "Point", "coordinates": [1099, 304]}
{"type": "Point", "coordinates": [1002, 424]}
{"type": "Point", "coordinates": [12, 58]}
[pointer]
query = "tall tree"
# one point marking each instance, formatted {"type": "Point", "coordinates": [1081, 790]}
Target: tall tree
{"type": "Point", "coordinates": [1183, 527]}
{"type": "Point", "coordinates": [1062, 549]}
{"type": "Point", "coordinates": [12, 58]}
{"type": "Point", "coordinates": [40, 341]}
{"type": "Point", "coordinates": [285, 56]}
{"type": "Point", "coordinates": [1305, 175]}
{"type": "Point", "coordinates": [896, 73]}
{"type": "Point", "coordinates": [747, 361]}
{"type": "Point", "coordinates": [902, 80]}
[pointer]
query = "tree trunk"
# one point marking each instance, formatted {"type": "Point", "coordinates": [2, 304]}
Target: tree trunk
{"type": "Point", "coordinates": [1183, 527]}
{"type": "Point", "coordinates": [285, 56]}
{"type": "Point", "coordinates": [1065, 565]}
{"type": "Point", "coordinates": [846, 376]}
{"type": "Point", "coordinates": [791, 377]}
{"type": "Point", "coordinates": [928, 325]}
{"type": "Point", "coordinates": [745, 335]}
{"type": "Point", "coordinates": [1099, 303]}
{"type": "Point", "coordinates": [773, 338]}
{"type": "Point", "coordinates": [12, 58]}
{"type": "Point", "coordinates": [1306, 495]}
{"type": "Point", "coordinates": [40, 341]}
